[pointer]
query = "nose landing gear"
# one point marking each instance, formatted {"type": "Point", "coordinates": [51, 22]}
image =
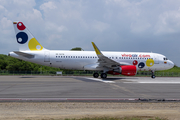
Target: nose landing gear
{"type": "Point", "coordinates": [153, 76]}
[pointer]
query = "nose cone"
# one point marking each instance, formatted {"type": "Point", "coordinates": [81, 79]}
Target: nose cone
{"type": "Point", "coordinates": [171, 64]}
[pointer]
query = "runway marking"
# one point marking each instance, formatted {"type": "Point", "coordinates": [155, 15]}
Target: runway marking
{"type": "Point", "coordinates": [154, 82]}
{"type": "Point", "coordinates": [160, 82]}
{"type": "Point", "coordinates": [105, 81]}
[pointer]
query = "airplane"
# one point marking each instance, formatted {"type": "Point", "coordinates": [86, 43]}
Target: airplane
{"type": "Point", "coordinates": [115, 63]}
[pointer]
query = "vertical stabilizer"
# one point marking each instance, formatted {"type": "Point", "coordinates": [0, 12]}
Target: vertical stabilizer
{"type": "Point", "coordinates": [25, 39]}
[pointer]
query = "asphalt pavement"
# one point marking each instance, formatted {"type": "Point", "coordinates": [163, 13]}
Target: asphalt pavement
{"type": "Point", "coordinates": [88, 88]}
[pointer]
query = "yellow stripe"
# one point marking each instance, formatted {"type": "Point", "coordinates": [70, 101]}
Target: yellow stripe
{"type": "Point", "coordinates": [96, 49]}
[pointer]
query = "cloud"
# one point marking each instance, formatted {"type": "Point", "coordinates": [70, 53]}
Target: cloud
{"type": "Point", "coordinates": [140, 26]}
{"type": "Point", "coordinates": [99, 26]}
{"type": "Point", "coordinates": [168, 22]}
{"type": "Point", "coordinates": [114, 25]}
{"type": "Point", "coordinates": [48, 6]}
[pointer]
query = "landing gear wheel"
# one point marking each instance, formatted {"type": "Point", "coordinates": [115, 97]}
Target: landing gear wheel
{"type": "Point", "coordinates": [103, 75]}
{"type": "Point", "coordinates": [153, 76]}
{"type": "Point", "coordinates": [95, 75]}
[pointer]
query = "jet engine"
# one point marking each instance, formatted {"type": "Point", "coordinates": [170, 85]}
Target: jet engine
{"type": "Point", "coordinates": [127, 70]}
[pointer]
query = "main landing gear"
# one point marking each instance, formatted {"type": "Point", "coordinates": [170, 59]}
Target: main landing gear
{"type": "Point", "coordinates": [103, 75]}
{"type": "Point", "coordinates": [96, 75]}
{"type": "Point", "coordinates": [153, 76]}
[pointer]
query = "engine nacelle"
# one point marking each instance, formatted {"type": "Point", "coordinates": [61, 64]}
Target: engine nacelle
{"type": "Point", "coordinates": [127, 70]}
{"type": "Point", "coordinates": [113, 73]}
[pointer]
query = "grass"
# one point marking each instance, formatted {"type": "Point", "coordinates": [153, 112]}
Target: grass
{"type": "Point", "coordinates": [111, 118]}
{"type": "Point", "coordinates": [125, 118]}
{"type": "Point", "coordinates": [173, 72]}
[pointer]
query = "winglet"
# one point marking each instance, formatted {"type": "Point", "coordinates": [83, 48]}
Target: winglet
{"type": "Point", "coordinates": [98, 52]}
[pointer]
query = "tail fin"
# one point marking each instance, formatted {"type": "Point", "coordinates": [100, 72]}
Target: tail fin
{"type": "Point", "coordinates": [25, 39]}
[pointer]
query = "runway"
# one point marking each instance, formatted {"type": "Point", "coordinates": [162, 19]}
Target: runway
{"type": "Point", "coordinates": [88, 88]}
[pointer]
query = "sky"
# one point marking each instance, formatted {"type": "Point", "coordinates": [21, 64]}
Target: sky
{"type": "Point", "coordinates": [114, 25]}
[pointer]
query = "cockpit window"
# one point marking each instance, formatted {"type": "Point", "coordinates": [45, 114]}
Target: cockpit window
{"type": "Point", "coordinates": [165, 58]}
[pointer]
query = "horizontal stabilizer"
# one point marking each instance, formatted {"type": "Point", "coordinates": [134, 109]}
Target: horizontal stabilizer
{"type": "Point", "coordinates": [24, 54]}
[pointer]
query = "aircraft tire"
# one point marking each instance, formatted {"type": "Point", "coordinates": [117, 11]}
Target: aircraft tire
{"type": "Point", "coordinates": [153, 76]}
{"type": "Point", "coordinates": [95, 75]}
{"type": "Point", "coordinates": [103, 75]}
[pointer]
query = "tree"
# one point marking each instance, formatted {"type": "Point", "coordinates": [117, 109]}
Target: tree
{"type": "Point", "coordinates": [77, 49]}
{"type": "Point", "coordinates": [3, 62]}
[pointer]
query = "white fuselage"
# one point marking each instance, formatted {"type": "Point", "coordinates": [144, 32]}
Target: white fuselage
{"type": "Point", "coordinates": [78, 60]}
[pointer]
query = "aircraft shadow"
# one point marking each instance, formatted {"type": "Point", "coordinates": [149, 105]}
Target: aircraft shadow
{"type": "Point", "coordinates": [113, 79]}
{"type": "Point", "coordinates": [27, 77]}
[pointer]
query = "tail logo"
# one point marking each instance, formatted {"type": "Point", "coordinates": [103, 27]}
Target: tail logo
{"type": "Point", "coordinates": [21, 26]}
{"type": "Point", "coordinates": [23, 36]}
{"type": "Point", "coordinates": [34, 45]}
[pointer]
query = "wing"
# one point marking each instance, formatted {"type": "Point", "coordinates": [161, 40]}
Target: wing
{"type": "Point", "coordinates": [105, 61]}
